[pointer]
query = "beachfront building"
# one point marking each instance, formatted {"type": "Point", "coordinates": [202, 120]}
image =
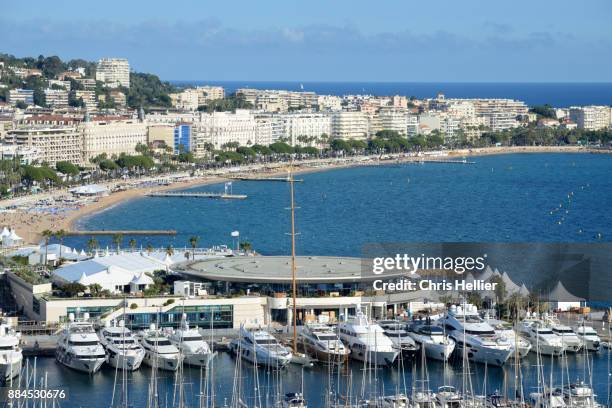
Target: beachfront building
{"type": "Point", "coordinates": [590, 117]}
{"type": "Point", "coordinates": [112, 137]}
{"type": "Point", "coordinates": [395, 119]}
{"type": "Point", "coordinates": [24, 154]}
{"type": "Point", "coordinates": [305, 126]}
{"type": "Point", "coordinates": [220, 128]}
{"type": "Point", "coordinates": [161, 134]}
{"type": "Point", "coordinates": [182, 138]}
{"type": "Point", "coordinates": [114, 72]}
{"type": "Point", "coordinates": [349, 125]}
{"type": "Point", "coordinates": [21, 95]}
{"type": "Point", "coordinates": [54, 143]}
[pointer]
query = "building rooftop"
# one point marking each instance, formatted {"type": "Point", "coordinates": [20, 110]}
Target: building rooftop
{"type": "Point", "coordinates": [277, 269]}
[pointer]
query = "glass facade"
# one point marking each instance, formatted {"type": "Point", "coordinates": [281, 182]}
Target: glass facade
{"type": "Point", "coordinates": [94, 311]}
{"type": "Point", "coordinates": [221, 317]}
{"type": "Point", "coordinates": [182, 139]}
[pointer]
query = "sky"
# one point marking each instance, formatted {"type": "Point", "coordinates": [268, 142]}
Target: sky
{"type": "Point", "coordinates": [325, 40]}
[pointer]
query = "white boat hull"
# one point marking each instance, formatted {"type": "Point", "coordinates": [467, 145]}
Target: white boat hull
{"type": "Point", "coordinates": [86, 365]}
{"type": "Point", "coordinates": [198, 359]}
{"type": "Point", "coordinates": [374, 357]}
{"type": "Point", "coordinates": [10, 367]}
{"type": "Point", "coordinates": [485, 355]}
{"type": "Point", "coordinates": [259, 358]}
{"type": "Point", "coordinates": [161, 361]}
{"type": "Point", "coordinates": [130, 362]}
{"type": "Point", "coordinates": [437, 351]}
{"type": "Point", "coordinates": [548, 350]}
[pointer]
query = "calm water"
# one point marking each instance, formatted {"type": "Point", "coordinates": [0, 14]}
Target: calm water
{"type": "Point", "coordinates": [96, 390]}
{"type": "Point", "coordinates": [556, 94]}
{"type": "Point", "coordinates": [500, 198]}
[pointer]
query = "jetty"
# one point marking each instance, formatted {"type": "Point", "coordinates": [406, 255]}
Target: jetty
{"type": "Point", "coordinates": [123, 232]}
{"type": "Point", "coordinates": [224, 196]}
{"type": "Point", "coordinates": [445, 161]}
{"type": "Point", "coordinates": [278, 179]}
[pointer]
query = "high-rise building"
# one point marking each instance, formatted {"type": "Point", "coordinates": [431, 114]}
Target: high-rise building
{"type": "Point", "coordinates": [21, 95]}
{"type": "Point", "coordinates": [112, 137]}
{"type": "Point", "coordinates": [114, 72]}
{"type": "Point", "coordinates": [590, 117]}
{"type": "Point", "coordinates": [182, 138]}
{"type": "Point", "coordinates": [54, 143]}
{"type": "Point", "coordinates": [349, 125]}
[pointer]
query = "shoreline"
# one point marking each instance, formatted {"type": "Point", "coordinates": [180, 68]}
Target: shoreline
{"type": "Point", "coordinates": [30, 225]}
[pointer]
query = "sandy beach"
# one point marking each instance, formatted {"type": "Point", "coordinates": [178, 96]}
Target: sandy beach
{"type": "Point", "coordinates": [29, 224]}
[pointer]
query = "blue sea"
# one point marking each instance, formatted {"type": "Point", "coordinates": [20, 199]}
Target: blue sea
{"type": "Point", "coordinates": [533, 93]}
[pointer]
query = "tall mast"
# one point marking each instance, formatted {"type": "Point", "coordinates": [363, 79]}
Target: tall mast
{"type": "Point", "coordinates": [293, 278]}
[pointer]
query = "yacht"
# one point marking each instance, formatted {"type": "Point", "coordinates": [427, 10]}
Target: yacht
{"type": "Point", "coordinates": [189, 341]}
{"type": "Point", "coordinates": [10, 353]}
{"type": "Point", "coordinates": [159, 351]}
{"type": "Point", "coordinates": [482, 344]}
{"type": "Point", "coordinates": [293, 400]}
{"type": "Point", "coordinates": [448, 397]}
{"type": "Point", "coordinates": [570, 340]}
{"type": "Point", "coordinates": [260, 347]}
{"type": "Point", "coordinates": [321, 341]}
{"type": "Point", "coordinates": [394, 401]}
{"type": "Point", "coordinates": [79, 347]}
{"type": "Point", "coordinates": [122, 348]}
{"type": "Point", "coordinates": [541, 337]}
{"type": "Point", "coordinates": [432, 339]}
{"type": "Point", "coordinates": [579, 395]}
{"type": "Point", "coordinates": [395, 331]}
{"type": "Point", "coordinates": [367, 341]}
{"type": "Point", "coordinates": [589, 337]}
{"type": "Point", "coordinates": [547, 399]}
{"type": "Point", "coordinates": [423, 399]}
{"type": "Point", "coordinates": [520, 345]}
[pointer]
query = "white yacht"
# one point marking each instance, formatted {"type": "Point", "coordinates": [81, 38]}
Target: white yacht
{"type": "Point", "coordinates": [580, 395]}
{"type": "Point", "coordinates": [547, 399]}
{"type": "Point", "coordinates": [260, 347]}
{"type": "Point", "coordinates": [189, 341]}
{"type": "Point", "coordinates": [589, 337]}
{"type": "Point", "coordinates": [10, 353]}
{"type": "Point", "coordinates": [399, 337]}
{"type": "Point", "coordinates": [159, 351]}
{"type": "Point", "coordinates": [394, 401]}
{"type": "Point", "coordinates": [293, 400]}
{"type": "Point", "coordinates": [541, 337]}
{"type": "Point", "coordinates": [322, 342]}
{"type": "Point", "coordinates": [423, 399]}
{"type": "Point", "coordinates": [448, 397]}
{"type": "Point", "coordinates": [432, 339]}
{"type": "Point", "coordinates": [520, 345]}
{"type": "Point", "coordinates": [367, 341]}
{"type": "Point", "coordinates": [482, 344]}
{"type": "Point", "coordinates": [122, 348]}
{"type": "Point", "coordinates": [79, 347]}
{"type": "Point", "coordinates": [570, 340]}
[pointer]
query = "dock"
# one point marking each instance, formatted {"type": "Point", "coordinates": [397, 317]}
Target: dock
{"type": "Point", "coordinates": [223, 196]}
{"type": "Point", "coordinates": [445, 161]}
{"type": "Point", "coordinates": [123, 232]}
{"type": "Point", "coordinates": [278, 179]}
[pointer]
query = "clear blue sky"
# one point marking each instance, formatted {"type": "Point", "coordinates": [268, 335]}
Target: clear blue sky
{"type": "Point", "coordinates": [325, 40]}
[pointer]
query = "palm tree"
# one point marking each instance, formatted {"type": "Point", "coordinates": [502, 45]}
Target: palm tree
{"type": "Point", "coordinates": [92, 244]}
{"type": "Point", "coordinates": [117, 240]}
{"type": "Point", "coordinates": [149, 248]}
{"type": "Point", "coordinates": [169, 250]}
{"type": "Point", "coordinates": [60, 234]}
{"type": "Point", "coordinates": [132, 244]}
{"type": "Point", "coordinates": [193, 241]}
{"type": "Point", "coordinates": [47, 234]}
{"type": "Point", "coordinates": [246, 246]}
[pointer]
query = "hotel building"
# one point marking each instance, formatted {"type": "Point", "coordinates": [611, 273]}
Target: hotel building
{"type": "Point", "coordinates": [349, 125]}
{"type": "Point", "coordinates": [54, 143]}
{"type": "Point", "coordinates": [590, 117]}
{"type": "Point", "coordinates": [112, 137]}
{"type": "Point", "coordinates": [310, 125]}
{"type": "Point", "coordinates": [220, 128]}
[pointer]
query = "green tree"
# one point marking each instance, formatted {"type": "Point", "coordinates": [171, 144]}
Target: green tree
{"type": "Point", "coordinates": [60, 235]}
{"type": "Point", "coordinates": [193, 241]}
{"type": "Point", "coordinates": [117, 240]}
{"type": "Point", "coordinates": [92, 244]}
{"type": "Point", "coordinates": [46, 234]}
{"type": "Point", "coordinates": [67, 168]}
{"type": "Point", "coordinates": [246, 246]}
{"type": "Point", "coordinates": [132, 244]}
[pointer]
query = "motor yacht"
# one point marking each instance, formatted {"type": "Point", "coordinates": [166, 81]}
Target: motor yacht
{"type": "Point", "coordinates": [367, 340]}
{"type": "Point", "coordinates": [541, 337]}
{"type": "Point", "coordinates": [521, 346]}
{"type": "Point", "coordinates": [399, 337]}
{"type": "Point", "coordinates": [475, 336]}
{"type": "Point", "coordinates": [433, 341]}
{"type": "Point", "coordinates": [79, 347]}
{"type": "Point", "coordinates": [10, 353]}
{"type": "Point", "coordinates": [121, 347]}
{"type": "Point", "coordinates": [589, 337]}
{"type": "Point", "coordinates": [193, 347]}
{"type": "Point", "coordinates": [160, 353]}
{"type": "Point", "coordinates": [261, 348]}
{"type": "Point", "coordinates": [322, 342]}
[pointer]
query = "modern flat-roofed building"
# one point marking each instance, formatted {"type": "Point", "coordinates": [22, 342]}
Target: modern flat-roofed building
{"type": "Point", "coordinates": [56, 98]}
{"type": "Point", "coordinates": [182, 138]}
{"type": "Point", "coordinates": [590, 117]}
{"type": "Point", "coordinates": [88, 98]}
{"type": "Point", "coordinates": [21, 95]}
{"type": "Point", "coordinates": [111, 137]}
{"type": "Point", "coordinates": [220, 128]}
{"type": "Point", "coordinates": [161, 133]}
{"type": "Point", "coordinates": [306, 125]}
{"type": "Point", "coordinates": [54, 143]}
{"type": "Point", "coordinates": [114, 72]}
{"type": "Point", "coordinates": [349, 125]}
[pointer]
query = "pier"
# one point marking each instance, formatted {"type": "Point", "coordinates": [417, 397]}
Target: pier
{"type": "Point", "coordinates": [223, 196]}
{"type": "Point", "coordinates": [445, 161]}
{"type": "Point", "coordinates": [123, 232]}
{"type": "Point", "coordinates": [278, 179]}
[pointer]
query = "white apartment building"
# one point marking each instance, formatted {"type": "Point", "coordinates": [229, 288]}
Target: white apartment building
{"type": "Point", "coordinates": [412, 127]}
{"type": "Point", "coordinates": [56, 143]}
{"type": "Point", "coordinates": [114, 72]}
{"type": "Point", "coordinates": [21, 95]}
{"type": "Point", "coordinates": [220, 128]}
{"type": "Point", "coordinates": [497, 114]}
{"type": "Point", "coordinates": [278, 100]}
{"type": "Point", "coordinates": [394, 119]}
{"type": "Point", "coordinates": [209, 93]}
{"type": "Point", "coordinates": [270, 128]}
{"type": "Point", "coordinates": [329, 103]}
{"type": "Point", "coordinates": [311, 125]}
{"type": "Point", "coordinates": [349, 125]}
{"type": "Point", "coordinates": [56, 98]}
{"type": "Point", "coordinates": [25, 155]}
{"type": "Point", "coordinates": [112, 137]}
{"type": "Point", "coordinates": [590, 117]}
{"type": "Point", "coordinates": [57, 82]}
{"type": "Point", "coordinates": [188, 99]}
{"type": "Point", "coordinates": [89, 99]}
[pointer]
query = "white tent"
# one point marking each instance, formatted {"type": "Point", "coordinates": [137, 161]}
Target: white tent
{"type": "Point", "coordinates": [90, 190]}
{"type": "Point", "coordinates": [561, 299]}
